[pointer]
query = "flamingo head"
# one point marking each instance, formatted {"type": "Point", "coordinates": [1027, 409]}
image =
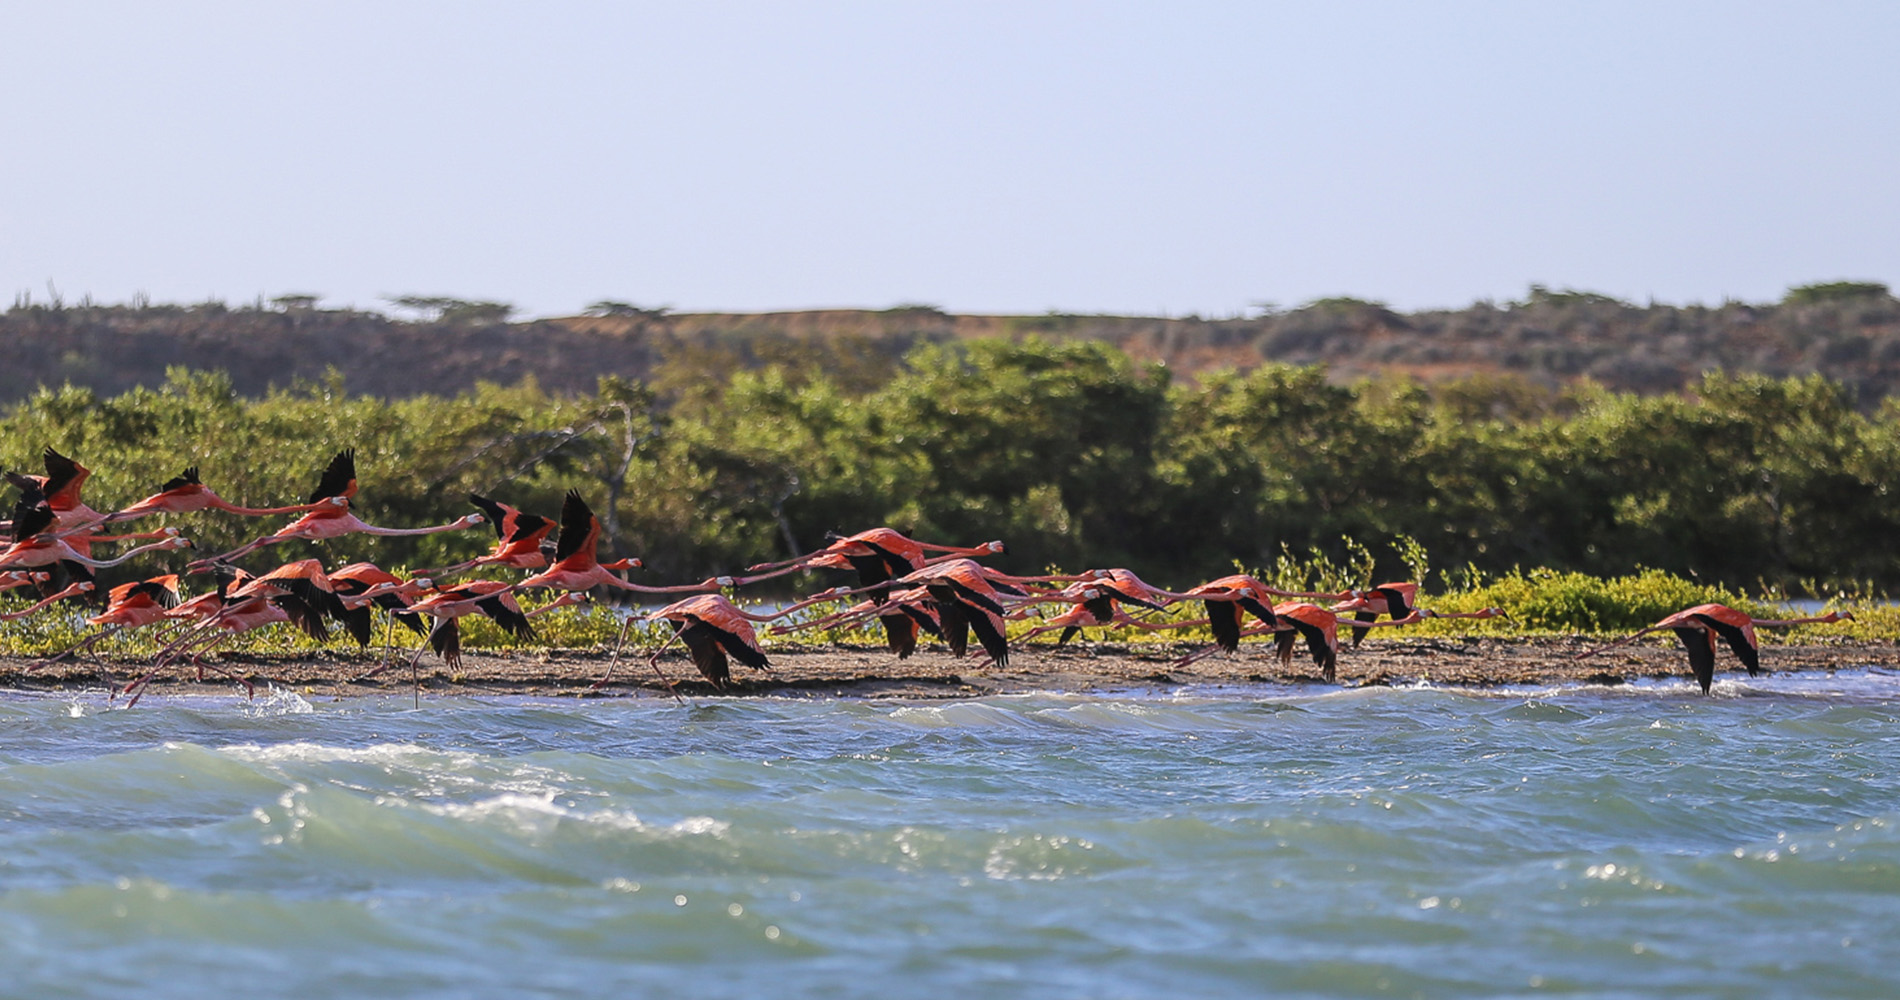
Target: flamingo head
{"type": "Point", "coordinates": [470, 520]}
{"type": "Point", "coordinates": [175, 542]}
{"type": "Point", "coordinates": [171, 532]}
{"type": "Point", "coordinates": [994, 548]}
{"type": "Point", "coordinates": [724, 581]}
{"type": "Point", "coordinates": [628, 563]}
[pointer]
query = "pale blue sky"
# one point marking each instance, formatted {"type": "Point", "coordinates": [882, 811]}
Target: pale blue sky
{"type": "Point", "coordinates": [986, 157]}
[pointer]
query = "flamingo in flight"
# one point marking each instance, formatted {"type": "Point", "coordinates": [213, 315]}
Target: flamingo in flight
{"type": "Point", "coordinates": [903, 613]}
{"type": "Point", "coordinates": [242, 603]}
{"type": "Point", "coordinates": [448, 606]}
{"type": "Point", "coordinates": [333, 520]}
{"type": "Point", "coordinates": [1394, 600]}
{"type": "Point", "coordinates": [712, 627]}
{"type": "Point", "coordinates": [520, 538]}
{"type": "Point", "coordinates": [361, 585]}
{"type": "Point", "coordinates": [577, 566]}
{"type": "Point", "coordinates": [1699, 627]}
{"type": "Point", "coordinates": [1319, 626]}
{"type": "Point", "coordinates": [36, 544]}
{"type": "Point", "coordinates": [12, 578]}
{"type": "Point", "coordinates": [186, 493]}
{"type": "Point", "coordinates": [73, 589]}
{"type": "Point", "coordinates": [60, 489]}
{"type": "Point", "coordinates": [128, 606]}
{"type": "Point", "coordinates": [879, 555]}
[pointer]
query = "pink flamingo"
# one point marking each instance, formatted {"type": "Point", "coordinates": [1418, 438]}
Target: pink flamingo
{"type": "Point", "coordinates": [186, 493]}
{"type": "Point", "coordinates": [71, 590]}
{"type": "Point", "coordinates": [519, 539]}
{"type": "Point", "coordinates": [60, 489]}
{"type": "Point", "coordinates": [332, 521]}
{"type": "Point", "coordinates": [1698, 627]}
{"type": "Point", "coordinates": [128, 606]}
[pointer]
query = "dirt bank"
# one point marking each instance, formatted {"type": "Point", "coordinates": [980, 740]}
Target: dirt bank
{"type": "Point", "coordinates": [867, 672]}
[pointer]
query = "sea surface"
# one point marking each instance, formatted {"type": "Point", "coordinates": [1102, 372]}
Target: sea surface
{"type": "Point", "coordinates": [1641, 841]}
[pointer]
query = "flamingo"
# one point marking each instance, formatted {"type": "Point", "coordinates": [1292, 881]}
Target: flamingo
{"type": "Point", "coordinates": [1698, 628]}
{"type": "Point", "coordinates": [712, 626]}
{"type": "Point", "coordinates": [1318, 626]}
{"type": "Point", "coordinates": [1226, 597]}
{"type": "Point", "coordinates": [520, 538]}
{"type": "Point", "coordinates": [966, 601]}
{"type": "Point", "coordinates": [333, 520]}
{"type": "Point", "coordinates": [224, 614]}
{"type": "Point", "coordinates": [360, 585]}
{"type": "Point", "coordinates": [903, 613]}
{"type": "Point", "coordinates": [128, 606]}
{"type": "Point", "coordinates": [71, 590]}
{"type": "Point", "coordinates": [577, 568]}
{"type": "Point", "coordinates": [186, 493]}
{"type": "Point", "coordinates": [36, 545]}
{"type": "Point", "coordinates": [12, 578]}
{"type": "Point", "coordinates": [1097, 603]}
{"type": "Point", "coordinates": [447, 607]}
{"type": "Point", "coordinates": [878, 554]}
{"type": "Point", "coordinates": [1100, 611]}
{"type": "Point", "coordinates": [1395, 600]}
{"type": "Point", "coordinates": [60, 487]}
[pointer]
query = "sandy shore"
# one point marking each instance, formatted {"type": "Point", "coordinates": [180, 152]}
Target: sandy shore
{"type": "Point", "coordinates": [872, 672]}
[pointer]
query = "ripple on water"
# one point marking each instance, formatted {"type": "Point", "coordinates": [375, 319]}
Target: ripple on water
{"type": "Point", "coordinates": [1635, 840]}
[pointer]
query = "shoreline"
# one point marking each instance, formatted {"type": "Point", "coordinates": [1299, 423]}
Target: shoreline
{"type": "Point", "coordinates": [852, 671]}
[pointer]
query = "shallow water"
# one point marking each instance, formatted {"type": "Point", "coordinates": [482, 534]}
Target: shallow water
{"type": "Point", "coordinates": [1644, 840]}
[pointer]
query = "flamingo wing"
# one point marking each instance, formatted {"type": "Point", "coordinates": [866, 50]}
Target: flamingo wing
{"type": "Point", "coordinates": [1359, 634]}
{"type": "Point", "coordinates": [1223, 619]}
{"type": "Point", "coordinates": [446, 640]}
{"type": "Point", "coordinates": [179, 482]}
{"type": "Point", "coordinates": [1258, 610]}
{"type": "Point", "coordinates": [1316, 643]}
{"type": "Point", "coordinates": [30, 519]}
{"type": "Point", "coordinates": [511, 620]}
{"type": "Point", "coordinates": [1395, 603]}
{"type": "Point", "coordinates": [1700, 646]}
{"type": "Point", "coordinates": [900, 633]}
{"type": "Point", "coordinates": [895, 565]}
{"type": "Point", "coordinates": [339, 478]}
{"type": "Point", "coordinates": [973, 597]}
{"type": "Point", "coordinates": [1737, 640]}
{"type": "Point", "coordinates": [708, 656]}
{"type": "Point", "coordinates": [579, 528]}
{"type": "Point", "coordinates": [497, 514]}
{"type": "Point", "coordinates": [303, 616]}
{"type": "Point", "coordinates": [953, 623]}
{"type": "Point", "coordinates": [989, 632]}
{"type": "Point", "coordinates": [64, 477]}
{"type": "Point", "coordinates": [1126, 598]}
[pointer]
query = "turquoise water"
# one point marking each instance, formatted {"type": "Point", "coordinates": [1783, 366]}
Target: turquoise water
{"type": "Point", "coordinates": [1640, 841]}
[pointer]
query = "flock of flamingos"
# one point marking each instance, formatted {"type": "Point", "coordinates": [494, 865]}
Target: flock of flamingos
{"type": "Point", "coordinates": [912, 588]}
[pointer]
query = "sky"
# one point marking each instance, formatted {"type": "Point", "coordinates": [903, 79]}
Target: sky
{"type": "Point", "coordinates": [1011, 157]}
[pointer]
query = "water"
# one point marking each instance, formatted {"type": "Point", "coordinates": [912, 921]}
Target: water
{"type": "Point", "coordinates": [1641, 841]}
